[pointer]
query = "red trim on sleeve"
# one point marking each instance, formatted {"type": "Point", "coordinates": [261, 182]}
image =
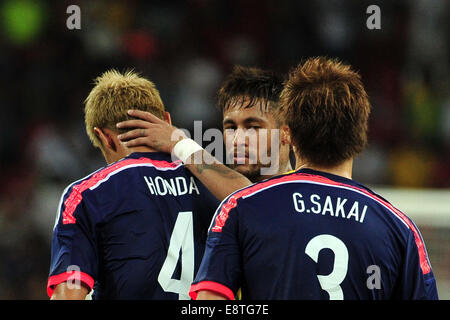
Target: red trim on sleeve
{"type": "Point", "coordinates": [53, 281]}
{"type": "Point", "coordinates": [211, 286]}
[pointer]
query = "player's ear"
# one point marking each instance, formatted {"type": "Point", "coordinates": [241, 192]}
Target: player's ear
{"type": "Point", "coordinates": [285, 134]}
{"type": "Point", "coordinates": [167, 118]}
{"type": "Point", "coordinates": [106, 138]}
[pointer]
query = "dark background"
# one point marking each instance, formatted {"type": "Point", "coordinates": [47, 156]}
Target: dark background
{"type": "Point", "coordinates": [186, 48]}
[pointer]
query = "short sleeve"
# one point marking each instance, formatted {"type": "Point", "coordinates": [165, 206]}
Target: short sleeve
{"type": "Point", "coordinates": [74, 255]}
{"type": "Point", "coordinates": [413, 284]}
{"type": "Point", "coordinates": [220, 270]}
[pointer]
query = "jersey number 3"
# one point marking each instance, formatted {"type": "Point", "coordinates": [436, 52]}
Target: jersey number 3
{"type": "Point", "coordinates": [331, 282]}
{"type": "Point", "coordinates": [181, 240]}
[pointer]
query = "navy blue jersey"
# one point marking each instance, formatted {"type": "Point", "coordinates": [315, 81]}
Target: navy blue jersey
{"type": "Point", "coordinates": [312, 235]}
{"type": "Point", "coordinates": [135, 229]}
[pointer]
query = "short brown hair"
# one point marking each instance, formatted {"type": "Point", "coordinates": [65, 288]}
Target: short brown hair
{"type": "Point", "coordinates": [253, 83]}
{"type": "Point", "coordinates": [327, 109]}
{"type": "Point", "coordinates": [114, 93]}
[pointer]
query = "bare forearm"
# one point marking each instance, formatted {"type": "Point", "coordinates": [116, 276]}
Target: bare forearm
{"type": "Point", "coordinates": [64, 292]}
{"type": "Point", "coordinates": [218, 178]}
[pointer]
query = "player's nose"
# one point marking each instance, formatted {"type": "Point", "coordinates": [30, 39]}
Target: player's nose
{"type": "Point", "coordinates": [240, 138]}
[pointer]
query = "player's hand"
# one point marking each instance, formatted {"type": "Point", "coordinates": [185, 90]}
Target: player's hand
{"type": "Point", "coordinates": [148, 130]}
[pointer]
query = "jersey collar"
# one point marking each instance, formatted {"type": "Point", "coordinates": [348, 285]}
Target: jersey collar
{"type": "Point", "coordinates": [331, 176]}
{"type": "Point", "coordinates": [151, 155]}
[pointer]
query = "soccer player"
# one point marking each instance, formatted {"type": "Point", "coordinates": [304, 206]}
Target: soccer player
{"type": "Point", "coordinates": [249, 101]}
{"type": "Point", "coordinates": [135, 229]}
{"type": "Point", "coordinates": [315, 233]}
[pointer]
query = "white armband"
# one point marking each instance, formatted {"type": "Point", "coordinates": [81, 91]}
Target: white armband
{"type": "Point", "coordinates": [185, 148]}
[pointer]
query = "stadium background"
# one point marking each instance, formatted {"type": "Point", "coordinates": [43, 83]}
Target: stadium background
{"type": "Point", "coordinates": [186, 48]}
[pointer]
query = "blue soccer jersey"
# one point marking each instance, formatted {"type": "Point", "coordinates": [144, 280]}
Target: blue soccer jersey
{"type": "Point", "coordinates": [312, 235]}
{"type": "Point", "coordinates": [135, 229]}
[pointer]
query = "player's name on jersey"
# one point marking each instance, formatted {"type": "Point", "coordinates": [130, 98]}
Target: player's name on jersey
{"type": "Point", "coordinates": [177, 186]}
{"type": "Point", "coordinates": [333, 206]}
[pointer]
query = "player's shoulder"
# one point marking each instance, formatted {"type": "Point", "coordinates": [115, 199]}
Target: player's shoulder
{"type": "Point", "coordinates": [306, 178]}
{"type": "Point", "coordinates": [246, 192]}
{"type": "Point", "coordinates": [74, 186]}
{"type": "Point", "coordinates": [124, 167]}
{"type": "Point", "coordinates": [153, 160]}
{"type": "Point", "coordinates": [235, 200]}
{"type": "Point", "coordinates": [106, 183]}
{"type": "Point", "coordinates": [392, 216]}
{"type": "Point", "coordinates": [102, 184]}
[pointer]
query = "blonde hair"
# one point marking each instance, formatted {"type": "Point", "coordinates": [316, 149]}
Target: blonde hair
{"type": "Point", "coordinates": [115, 93]}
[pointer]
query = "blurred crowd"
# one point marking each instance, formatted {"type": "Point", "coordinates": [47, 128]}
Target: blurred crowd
{"type": "Point", "coordinates": [186, 48]}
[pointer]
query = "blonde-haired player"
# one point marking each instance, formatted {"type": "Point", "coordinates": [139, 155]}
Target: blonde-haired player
{"type": "Point", "coordinates": [108, 101]}
{"type": "Point", "coordinates": [136, 228]}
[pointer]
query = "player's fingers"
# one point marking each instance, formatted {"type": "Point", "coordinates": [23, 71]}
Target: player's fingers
{"type": "Point", "coordinates": [132, 134]}
{"type": "Point", "coordinates": [144, 115]}
{"type": "Point", "coordinates": [137, 142]}
{"type": "Point", "coordinates": [134, 124]}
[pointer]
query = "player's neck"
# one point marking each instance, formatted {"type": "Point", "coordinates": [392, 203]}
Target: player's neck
{"type": "Point", "coordinates": [283, 169]}
{"type": "Point", "coordinates": [344, 169]}
{"type": "Point", "coordinates": [114, 156]}
{"type": "Point", "coordinates": [139, 149]}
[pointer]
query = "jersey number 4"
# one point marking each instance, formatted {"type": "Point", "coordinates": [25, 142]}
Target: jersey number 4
{"type": "Point", "coordinates": [181, 241]}
{"type": "Point", "coordinates": [331, 282]}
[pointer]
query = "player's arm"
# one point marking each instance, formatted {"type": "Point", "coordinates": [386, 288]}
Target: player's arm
{"type": "Point", "coordinates": [74, 262]}
{"type": "Point", "coordinates": [218, 178]}
{"type": "Point", "coordinates": [220, 272]}
{"type": "Point", "coordinates": [153, 132]}
{"type": "Point", "coordinates": [210, 295]}
{"type": "Point", "coordinates": [416, 280]}
{"type": "Point", "coordinates": [65, 292]}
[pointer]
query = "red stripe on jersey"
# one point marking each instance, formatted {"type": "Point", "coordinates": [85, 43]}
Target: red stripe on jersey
{"type": "Point", "coordinates": [75, 197]}
{"type": "Point", "coordinates": [211, 286]}
{"type": "Point", "coordinates": [53, 281]}
{"type": "Point", "coordinates": [232, 202]}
